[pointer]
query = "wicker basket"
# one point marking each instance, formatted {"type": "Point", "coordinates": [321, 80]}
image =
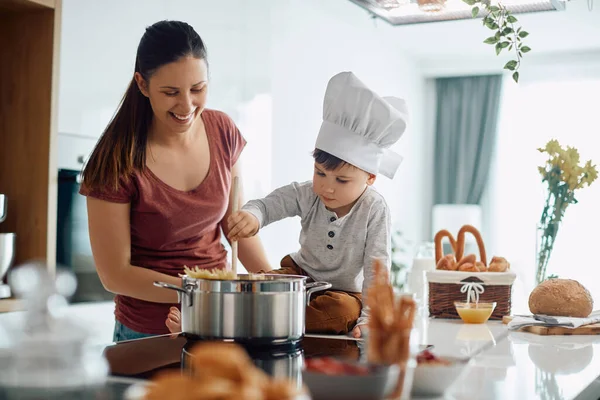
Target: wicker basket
{"type": "Point", "coordinates": [445, 288]}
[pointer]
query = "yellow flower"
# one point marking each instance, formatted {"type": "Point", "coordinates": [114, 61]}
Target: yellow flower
{"type": "Point", "coordinates": [563, 164]}
{"type": "Point", "coordinates": [556, 161]}
{"type": "Point", "coordinates": [590, 173]}
{"type": "Point", "coordinates": [553, 147]}
{"type": "Point", "coordinates": [572, 155]}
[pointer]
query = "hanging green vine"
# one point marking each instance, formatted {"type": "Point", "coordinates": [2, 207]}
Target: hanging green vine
{"type": "Point", "coordinates": [498, 18]}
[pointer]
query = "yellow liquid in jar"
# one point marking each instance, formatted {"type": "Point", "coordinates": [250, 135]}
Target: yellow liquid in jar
{"type": "Point", "coordinates": [474, 315]}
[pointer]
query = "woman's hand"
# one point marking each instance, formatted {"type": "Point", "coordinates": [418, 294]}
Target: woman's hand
{"type": "Point", "coordinates": [356, 332]}
{"type": "Point", "coordinates": [242, 224]}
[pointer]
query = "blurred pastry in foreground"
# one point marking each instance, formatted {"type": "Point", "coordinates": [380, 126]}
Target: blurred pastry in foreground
{"type": "Point", "coordinates": [221, 371]}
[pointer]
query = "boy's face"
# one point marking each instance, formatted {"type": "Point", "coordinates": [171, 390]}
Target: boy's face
{"type": "Point", "coordinates": [340, 188]}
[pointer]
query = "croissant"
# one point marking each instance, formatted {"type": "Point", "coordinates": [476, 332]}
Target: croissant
{"type": "Point", "coordinates": [499, 264]}
{"type": "Point", "coordinates": [481, 266]}
{"type": "Point", "coordinates": [470, 259]}
{"type": "Point", "coordinates": [467, 264]}
{"type": "Point", "coordinates": [468, 267]}
{"type": "Point", "coordinates": [448, 263]}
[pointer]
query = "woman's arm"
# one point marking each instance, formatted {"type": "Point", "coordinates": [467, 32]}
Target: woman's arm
{"type": "Point", "coordinates": [110, 237]}
{"type": "Point", "coordinates": [250, 250]}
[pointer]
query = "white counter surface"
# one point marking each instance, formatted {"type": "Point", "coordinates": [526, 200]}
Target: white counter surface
{"type": "Point", "coordinates": [503, 365]}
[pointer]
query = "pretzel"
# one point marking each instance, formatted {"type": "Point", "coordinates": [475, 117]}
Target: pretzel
{"type": "Point", "coordinates": [460, 245]}
{"type": "Point", "coordinates": [439, 246]}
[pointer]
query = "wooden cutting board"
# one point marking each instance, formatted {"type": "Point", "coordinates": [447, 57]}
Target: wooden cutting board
{"type": "Point", "coordinates": [593, 329]}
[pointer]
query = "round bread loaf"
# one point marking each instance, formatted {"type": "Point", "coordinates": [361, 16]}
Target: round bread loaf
{"type": "Point", "coordinates": [561, 297]}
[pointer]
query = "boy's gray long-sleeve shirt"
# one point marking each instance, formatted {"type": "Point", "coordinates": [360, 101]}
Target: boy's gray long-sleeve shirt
{"type": "Point", "coordinates": [336, 250]}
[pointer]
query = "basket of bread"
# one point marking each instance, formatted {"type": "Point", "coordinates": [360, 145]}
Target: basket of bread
{"type": "Point", "coordinates": [459, 275]}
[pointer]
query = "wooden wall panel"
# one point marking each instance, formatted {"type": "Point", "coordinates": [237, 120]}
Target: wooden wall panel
{"type": "Point", "coordinates": [26, 100]}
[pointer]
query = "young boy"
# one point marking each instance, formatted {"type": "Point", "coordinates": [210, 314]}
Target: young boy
{"type": "Point", "coordinates": [345, 221]}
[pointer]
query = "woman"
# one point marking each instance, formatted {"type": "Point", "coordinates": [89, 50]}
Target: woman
{"type": "Point", "coordinates": [159, 182]}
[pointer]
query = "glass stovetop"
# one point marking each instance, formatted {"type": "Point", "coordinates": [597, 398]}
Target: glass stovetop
{"type": "Point", "coordinates": [135, 360]}
{"type": "Point", "coordinates": [143, 358]}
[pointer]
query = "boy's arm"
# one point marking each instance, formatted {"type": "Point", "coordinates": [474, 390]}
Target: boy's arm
{"type": "Point", "coordinates": [287, 201]}
{"type": "Point", "coordinates": [377, 246]}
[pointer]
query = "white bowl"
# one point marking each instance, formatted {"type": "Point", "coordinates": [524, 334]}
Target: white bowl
{"type": "Point", "coordinates": [435, 379]}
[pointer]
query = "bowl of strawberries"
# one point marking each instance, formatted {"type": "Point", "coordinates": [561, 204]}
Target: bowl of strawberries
{"type": "Point", "coordinates": [332, 378]}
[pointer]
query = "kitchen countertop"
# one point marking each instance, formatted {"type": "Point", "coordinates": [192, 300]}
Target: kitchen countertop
{"type": "Point", "coordinates": [503, 365]}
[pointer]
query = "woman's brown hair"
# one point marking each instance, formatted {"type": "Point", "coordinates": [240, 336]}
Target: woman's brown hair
{"type": "Point", "coordinates": [121, 149]}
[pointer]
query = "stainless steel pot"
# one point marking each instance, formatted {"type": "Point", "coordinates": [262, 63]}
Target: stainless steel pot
{"type": "Point", "coordinates": [270, 310]}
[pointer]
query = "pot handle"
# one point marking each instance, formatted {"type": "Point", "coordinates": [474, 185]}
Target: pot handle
{"type": "Point", "coordinates": [312, 287]}
{"type": "Point", "coordinates": [180, 291]}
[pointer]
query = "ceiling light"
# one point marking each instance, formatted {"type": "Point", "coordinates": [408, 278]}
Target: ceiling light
{"type": "Point", "coordinates": [404, 12]}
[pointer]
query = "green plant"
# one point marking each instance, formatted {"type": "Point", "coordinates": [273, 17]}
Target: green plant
{"type": "Point", "coordinates": [401, 249]}
{"type": "Point", "coordinates": [507, 36]}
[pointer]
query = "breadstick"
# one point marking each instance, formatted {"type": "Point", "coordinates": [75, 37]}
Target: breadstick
{"type": "Point", "coordinates": [460, 245]}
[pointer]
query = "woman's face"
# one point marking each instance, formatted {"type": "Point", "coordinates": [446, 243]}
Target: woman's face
{"type": "Point", "coordinates": [177, 93]}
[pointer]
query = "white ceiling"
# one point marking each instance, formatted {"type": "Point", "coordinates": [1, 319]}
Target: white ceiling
{"type": "Point", "coordinates": [574, 30]}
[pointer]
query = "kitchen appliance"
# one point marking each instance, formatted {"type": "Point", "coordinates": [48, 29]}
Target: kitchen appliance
{"type": "Point", "coordinates": [7, 249]}
{"type": "Point", "coordinates": [73, 248]}
{"type": "Point", "coordinates": [267, 309]}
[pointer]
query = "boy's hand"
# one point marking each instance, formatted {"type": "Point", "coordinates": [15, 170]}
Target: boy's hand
{"type": "Point", "coordinates": [356, 333]}
{"type": "Point", "coordinates": [242, 224]}
{"type": "Point", "coordinates": [173, 321]}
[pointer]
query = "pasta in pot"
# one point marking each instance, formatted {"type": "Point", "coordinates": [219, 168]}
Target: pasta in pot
{"type": "Point", "coordinates": [214, 274]}
{"type": "Point", "coordinates": [218, 274]}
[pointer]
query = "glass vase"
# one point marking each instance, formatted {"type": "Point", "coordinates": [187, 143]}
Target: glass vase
{"type": "Point", "coordinates": [544, 244]}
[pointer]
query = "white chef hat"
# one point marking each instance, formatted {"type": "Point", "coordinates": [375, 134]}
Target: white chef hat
{"type": "Point", "coordinates": [359, 126]}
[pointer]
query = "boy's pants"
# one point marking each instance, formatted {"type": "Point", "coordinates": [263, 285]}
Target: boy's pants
{"type": "Point", "coordinates": [329, 311]}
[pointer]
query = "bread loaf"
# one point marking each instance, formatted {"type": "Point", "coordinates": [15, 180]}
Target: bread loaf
{"type": "Point", "coordinates": [561, 297]}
